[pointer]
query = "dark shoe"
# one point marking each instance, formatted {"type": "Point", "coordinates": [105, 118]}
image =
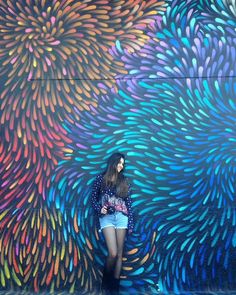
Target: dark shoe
{"type": "Point", "coordinates": [115, 286]}
{"type": "Point", "coordinates": [106, 282]}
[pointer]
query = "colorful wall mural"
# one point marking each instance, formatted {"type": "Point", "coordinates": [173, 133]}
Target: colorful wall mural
{"type": "Point", "coordinates": [152, 79]}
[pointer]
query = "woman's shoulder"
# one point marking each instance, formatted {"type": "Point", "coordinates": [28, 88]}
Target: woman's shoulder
{"type": "Point", "coordinates": [99, 177]}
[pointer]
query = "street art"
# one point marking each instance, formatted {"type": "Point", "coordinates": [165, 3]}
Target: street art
{"type": "Point", "coordinates": [154, 80]}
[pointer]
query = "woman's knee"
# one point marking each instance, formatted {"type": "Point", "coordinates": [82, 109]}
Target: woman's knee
{"type": "Point", "coordinates": [119, 255]}
{"type": "Point", "coordinates": [112, 254]}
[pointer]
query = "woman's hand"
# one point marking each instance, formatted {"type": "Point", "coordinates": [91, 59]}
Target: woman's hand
{"type": "Point", "coordinates": [104, 210]}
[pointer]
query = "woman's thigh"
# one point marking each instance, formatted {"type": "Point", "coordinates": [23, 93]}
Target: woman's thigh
{"type": "Point", "coordinates": [111, 241]}
{"type": "Point", "coordinates": [120, 239]}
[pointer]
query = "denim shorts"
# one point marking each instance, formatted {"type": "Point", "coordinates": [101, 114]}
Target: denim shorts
{"type": "Point", "coordinates": [118, 220]}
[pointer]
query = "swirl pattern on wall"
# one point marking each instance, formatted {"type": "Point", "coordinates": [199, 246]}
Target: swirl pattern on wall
{"type": "Point", "coordinates": [61, 41]}
{"type": "Point", "coordinates": [50, 52]}
{"type": "Point", "coordinates": [165, 97]}
{"type": "Point", "coordinates": [174, 124]}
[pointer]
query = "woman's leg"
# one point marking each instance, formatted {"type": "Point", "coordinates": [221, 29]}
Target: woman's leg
{"type": "Point", "coordinates": [110, 238]}
{"type": "Point", "coordinates": [120, 238]}
{"type": "Point", "coordinates": [108, 272]}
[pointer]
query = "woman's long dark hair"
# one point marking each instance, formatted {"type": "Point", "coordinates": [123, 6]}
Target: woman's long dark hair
{"type": "Point", "coordinates": [114, 178]}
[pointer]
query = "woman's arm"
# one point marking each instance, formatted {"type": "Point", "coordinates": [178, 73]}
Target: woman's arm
{"type": "Point", "coordinates": [128, 202]}
{"type": "Point", "coordinates": [95, 195]}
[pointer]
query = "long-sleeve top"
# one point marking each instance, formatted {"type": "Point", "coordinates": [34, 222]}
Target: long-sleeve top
{"type": "Point", "coordinates": [124, 205]}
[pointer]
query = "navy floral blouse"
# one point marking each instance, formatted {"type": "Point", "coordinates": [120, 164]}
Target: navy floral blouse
{"type": "Point", "coordinates": [99, 190]}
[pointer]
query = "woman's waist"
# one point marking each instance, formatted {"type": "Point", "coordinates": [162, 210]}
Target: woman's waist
{"type": "Point", "coordinates": [117, 209]}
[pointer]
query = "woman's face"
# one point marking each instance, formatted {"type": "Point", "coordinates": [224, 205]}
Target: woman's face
{"type": "Point", "coordinates": [120, 165]}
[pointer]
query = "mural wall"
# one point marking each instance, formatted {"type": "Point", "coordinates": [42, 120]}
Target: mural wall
{"type": "Point", "coordinates": [152, 79]}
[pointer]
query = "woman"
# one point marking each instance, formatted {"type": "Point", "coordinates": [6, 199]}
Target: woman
{"type": "Point", "coordinates": [112, 203]}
